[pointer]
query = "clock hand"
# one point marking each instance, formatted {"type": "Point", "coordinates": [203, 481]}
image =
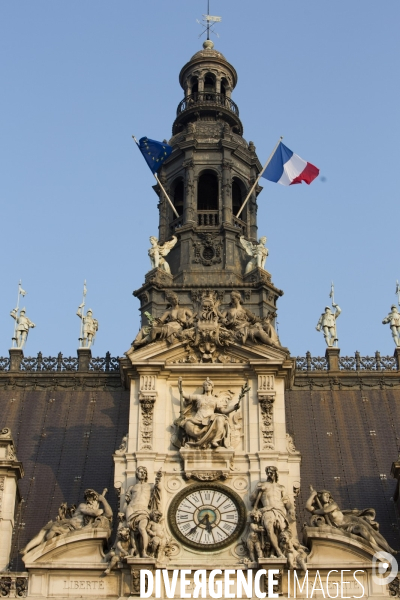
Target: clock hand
{"type": "Point", "coordinates": [199, 523]}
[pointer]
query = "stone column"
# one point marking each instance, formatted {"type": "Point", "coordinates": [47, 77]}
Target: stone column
{"type": "Point", "coordinates": [227, 191]}
{"type": "Point", "coordinates": [252, 208]}
{"type": "Point", "coordinates": [10, 472]}
{"type": "Point", "coordinates": [397, 357]}
{"type": "Point", "coordinates": [189, 208]}
{"type": "Point", "coordinates": [164, 209]}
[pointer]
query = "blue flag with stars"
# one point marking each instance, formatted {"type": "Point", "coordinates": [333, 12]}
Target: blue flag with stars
{"type": "Point", "coordinates": [155, 153]}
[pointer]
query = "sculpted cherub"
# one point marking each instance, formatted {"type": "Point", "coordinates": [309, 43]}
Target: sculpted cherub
{"type": "Point", "coordinates": [295, 553]}
{"type": "Point", "coordinates": [253, 542]}
{"type": "Point", "coordinates": [258, 253]}
{"type": "Point", "coordinates": [157, 535]}
{"type": "Point", "coordinates": [121, 550]}
{"type": "Point", "coordinates": [158, 251]}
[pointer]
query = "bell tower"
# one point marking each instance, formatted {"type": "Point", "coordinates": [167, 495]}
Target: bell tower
{"type": "Point", "coordinates": [207, 177]}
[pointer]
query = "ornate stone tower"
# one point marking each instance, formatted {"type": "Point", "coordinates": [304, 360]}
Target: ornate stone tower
{"type": "Point", "coordinates": [207, 372]}
{"type": "Point", "coordinates": [208, 176]}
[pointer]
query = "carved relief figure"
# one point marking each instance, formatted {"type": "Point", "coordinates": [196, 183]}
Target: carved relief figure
{"type": "Point", "coordinates": [140, 499]}
{"type": "Point", "coordinates": [258, 253]}
{"type": "Point", "coordinates": [327, 323]}
{"type": "Point", "coordinates": [277, 511]}
{"type": "Point", "coordinates": [204, 422]}
{"type": "Point", "coordinates": [90, 327]}
{"type": "Point", "coordinates": [88, 514]}
{"type": "Point", "coordinates": [158, 251]}
{"type": "Point", "coordinates": [325, 511]}
{"type": "Point", "coordinates": [393, 319]}
{"type": "Point", "coordinates": [168, 326]}
{"type": "Point", "coordinates": [23, 324]}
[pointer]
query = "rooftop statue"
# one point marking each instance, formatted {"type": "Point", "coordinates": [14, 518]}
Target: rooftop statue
{"type": "Point", "coordinates": [167, 326]}
{"type": "Point", "coordinates": [326, 512]}
{"type": "Point", "coordinates": [89, 328]}
{"type": "Point", "coordinates": [158, 251]}
{"type": "Point", "coordinates": [277, 511]}
{"type": "Point", "coordinates": [22, 326]}
{"type": "Point", "coordinates": [393, 319]}
{"type": "Point", "coordinates": [246, 325]}
{"type": "Point", "coordinates": [87, 515]}
{"type": "Point", "coordinates": [258, 252]}
{"type": "Point", "coordinates": [327, 321]}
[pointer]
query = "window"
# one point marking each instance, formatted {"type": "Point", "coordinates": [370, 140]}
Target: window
{"type": "Point", "coordinates": [207, 192]}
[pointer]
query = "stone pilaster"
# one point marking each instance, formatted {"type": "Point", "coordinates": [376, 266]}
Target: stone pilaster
{"type": "Point", "coordinates": [397, 356]}
{"type": "Point", "coordinates": [10, 472]}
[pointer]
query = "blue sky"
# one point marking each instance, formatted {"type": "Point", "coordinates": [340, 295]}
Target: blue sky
{"type": "Point", "coordinates": [79, 78]}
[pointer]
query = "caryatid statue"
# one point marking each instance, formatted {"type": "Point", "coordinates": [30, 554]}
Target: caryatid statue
{"type": "Point", "coordinates": [89, 327]}
{"type": "Point", "coordinates": [327, 323]}
{"type": "Point", "coordinates": [258, 252]}
{"type": "Point", "coordinates": [23, 324]}
{"type": "Point", "coordinates": [158, 251]}
{"type": "Point", "coordinates": [393, 319]}
{"type": "Point", "coordinates": [272, 500]}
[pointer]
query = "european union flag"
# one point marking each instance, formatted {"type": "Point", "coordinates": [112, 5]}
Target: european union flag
{"type": "Point", "coordinates": [155, 153]}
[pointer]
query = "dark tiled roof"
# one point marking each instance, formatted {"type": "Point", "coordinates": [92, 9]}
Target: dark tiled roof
{"type": "Point", "coordinates": [348, 440]}
{"type": "Point", "coordinates": [65, 440]}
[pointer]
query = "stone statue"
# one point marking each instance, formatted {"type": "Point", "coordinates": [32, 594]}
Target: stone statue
{"type": "Point", "coordinates": [121, 549]}
{"type": "Point", "coordinates": [88, 514]}
{"type": "Point", "coordinates": [258, 253]}
{"type": "Point", "coordinates": [295, 553]}
{"type": "Point", "coordinates": [168, 326]}
{"type": "Point", "coordinates": [277, 511]}
{"type": "Point", "coordinates": [327, 322]}
{"type": "Point", "coordinates": [89, 327]}
{"type": "Point", "coordinates": [140, 499]}
{"type": "Point", "coordinates": [246, 325]}
{"type": "Point", "coordinates": [205, 421]}
{"type": "Point", "coordinates": [23, 324]}
{"type": "Point", "coordinates": [325, 511]}
{"type": "Point", "coordinates": [393, 319]}
{"type": "Point", "coordinates": [253, 542]}
{"type": "Point", "coordinates": [157, 535]}
{"type": "Point", "coordinates": [158, 251]}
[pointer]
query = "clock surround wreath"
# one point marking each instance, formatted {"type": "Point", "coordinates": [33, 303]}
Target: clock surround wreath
{"type": "Point", "coordinates": [207, 516]}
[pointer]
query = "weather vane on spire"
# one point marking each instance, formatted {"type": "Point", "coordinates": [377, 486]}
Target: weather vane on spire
{"type": "Point", "coordinates": [208, 22]}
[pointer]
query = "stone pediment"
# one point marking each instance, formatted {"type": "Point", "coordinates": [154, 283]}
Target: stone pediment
{"type": "Point", "coordinates": [78, 549]}
{"type": "Point", "coordinates": [162, 354]}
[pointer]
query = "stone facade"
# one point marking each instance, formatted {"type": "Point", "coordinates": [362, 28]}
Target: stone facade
{"type": "Point", "coordinates": [206, 436]}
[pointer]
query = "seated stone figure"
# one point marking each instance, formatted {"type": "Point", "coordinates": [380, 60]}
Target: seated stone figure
{"type": "Point", "coordinates": [325, 511]}
{"type": "Point", "coordinates": [205, 420]}
{"type": "Point", "coordinates": [88, 514]}
{"type": "Point", "coordinates": [168, 326]}
{"type": "Point", "coordinates": [245, 325]}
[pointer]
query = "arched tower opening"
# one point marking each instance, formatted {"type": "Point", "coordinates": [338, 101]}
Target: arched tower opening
{"type": "Point", "coordinates": [207, 199]}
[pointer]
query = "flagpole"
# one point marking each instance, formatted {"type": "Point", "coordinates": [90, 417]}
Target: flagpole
{"type": "Point", "coordinates": [398, 292]}
{"type": "Point", "coordinates": [161, 185]}
{"type": "Point", "coordinates": [259, 177]}
{"type": "Point", "coordinates": [82, 313]}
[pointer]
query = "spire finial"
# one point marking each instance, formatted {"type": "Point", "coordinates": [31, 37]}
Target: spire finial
{"type": "Point", "coordinates": [208, 23]}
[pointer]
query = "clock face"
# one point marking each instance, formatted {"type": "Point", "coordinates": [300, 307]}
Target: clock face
{"type": "Point", "coordinates": [207, 516]}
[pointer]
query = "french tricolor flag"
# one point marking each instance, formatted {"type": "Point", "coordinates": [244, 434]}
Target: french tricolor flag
{"type": "Point", "coordinates": [287, 168]}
